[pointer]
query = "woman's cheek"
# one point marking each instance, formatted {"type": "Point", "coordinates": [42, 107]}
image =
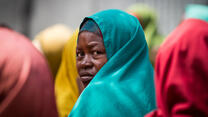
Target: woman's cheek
{"type": "Point", "coordinates": [99, 63]}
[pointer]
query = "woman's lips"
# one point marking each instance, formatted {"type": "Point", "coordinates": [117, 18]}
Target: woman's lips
{"type": "Point", "coordinates": [86, 78]}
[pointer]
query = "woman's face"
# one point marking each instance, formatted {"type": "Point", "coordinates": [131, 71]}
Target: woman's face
{"type": "Point", "coordinates": [91, 56]}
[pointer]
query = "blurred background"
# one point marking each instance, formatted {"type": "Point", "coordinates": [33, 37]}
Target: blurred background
{"type": "Point", "coordinates": [31, 16]}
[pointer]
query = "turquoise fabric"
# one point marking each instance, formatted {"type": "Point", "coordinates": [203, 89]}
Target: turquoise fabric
{"type": "Point", "coordinates": [90, 26]}
{"type": "Point", "coordinates": [124, 85]}
{"type": "Point", "coordinates": [196, 11]}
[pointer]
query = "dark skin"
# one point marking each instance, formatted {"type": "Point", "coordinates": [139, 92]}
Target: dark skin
{"type": "Point", "coordinates": [91, 56]}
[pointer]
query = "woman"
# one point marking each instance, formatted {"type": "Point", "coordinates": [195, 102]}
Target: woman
{"type": "Point", "coordinates": [112, 50]}
{"type": "Point", "coordinates": [51, 42]}
{"type": "Point", "coordinates": [148, 18]}
{"type": "Point", "coordinates": [26, 86]}
{"type": "Point", "coordinates": [66, 86]}
{"type": "Point", "coordinates": [182, 72]}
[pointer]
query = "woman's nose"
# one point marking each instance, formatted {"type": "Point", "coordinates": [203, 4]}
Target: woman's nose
{"type": "Point", "coordinates": [87, 61]}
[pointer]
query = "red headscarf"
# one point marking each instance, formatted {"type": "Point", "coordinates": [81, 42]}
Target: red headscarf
{"type": "Point", "coordinates": [26, 87]}
{"type": "Point", "coordinates": [182, 72]}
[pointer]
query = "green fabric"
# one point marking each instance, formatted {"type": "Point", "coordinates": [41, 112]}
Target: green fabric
{"type": "Point", "coordinates": [149, 22]}
{"type": "Point", "coordinates": [148, 17]}
{"type": "Point", "coordinates": [124, 86]}
{"type": "Point", "coordinates": [196, 11]}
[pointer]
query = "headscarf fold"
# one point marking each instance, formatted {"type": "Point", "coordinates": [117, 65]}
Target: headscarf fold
{"type": "Point", "coordinates": [66, 87]}
{"type": "Point", "coordinates": [26, 86]}
{"type": "Point", "coordinates": [90, 26]}
{"type": "Point", "coordinates": [124, 85]}
{"type": "Point", "coordinates": [51, 42]}
{"type": "Point", "coordinates": [182, 72]}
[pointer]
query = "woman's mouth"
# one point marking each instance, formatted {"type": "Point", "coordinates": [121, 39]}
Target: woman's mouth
{"type": "Point", "coordinates": [86, 78]}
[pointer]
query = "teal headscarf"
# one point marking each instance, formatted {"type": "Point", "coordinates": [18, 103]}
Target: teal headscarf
{"type": "Point", "coordinates": [124, 85]}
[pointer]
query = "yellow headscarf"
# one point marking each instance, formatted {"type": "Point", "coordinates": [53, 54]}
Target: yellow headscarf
{"type": "Point", "coordinates": [51, 42]}
{"type": "Point", "coordinates": [66, 87]}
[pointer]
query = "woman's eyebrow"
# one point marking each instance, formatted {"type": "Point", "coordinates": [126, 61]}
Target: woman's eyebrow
{"type": "Point", "coordinates": [92, 44]}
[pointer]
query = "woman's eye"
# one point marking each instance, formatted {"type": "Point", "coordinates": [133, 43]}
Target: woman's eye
{"type": "Point", "coordinates": [80, 54]}
{"type": "Point", "coordinates": [97, 52]}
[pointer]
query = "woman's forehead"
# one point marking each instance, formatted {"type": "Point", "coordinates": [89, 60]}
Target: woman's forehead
{"type": "Point", "coordinates": [89, 39]}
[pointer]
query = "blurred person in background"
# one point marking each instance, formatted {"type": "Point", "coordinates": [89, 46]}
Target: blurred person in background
{"type": "Point", "coordinates": [196, 11]}
{"type": "Point", "coordinates": [182, 72]}
{"type": "Point", "coordinates": [113, 64]}
{"type": "Point", "coordinates": [5, 25]}
{"type": "Point", "coordinates": [26, 84]}
{"type": "Point", "coordinates": [51, 42]}
{"type": "Point", "coordinates": [148, 19]}
{"type": "Point", "coordinates": [66, 83]}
